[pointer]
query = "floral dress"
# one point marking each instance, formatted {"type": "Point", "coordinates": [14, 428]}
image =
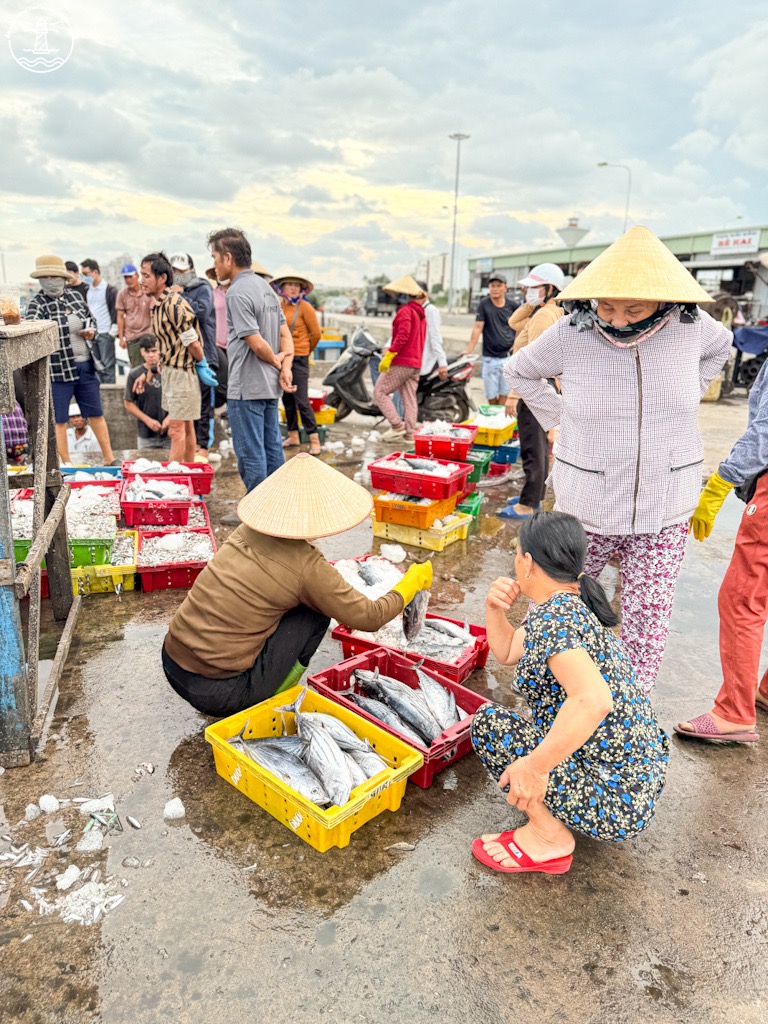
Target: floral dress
{"type": "Point", "coordinates": [607, 789]}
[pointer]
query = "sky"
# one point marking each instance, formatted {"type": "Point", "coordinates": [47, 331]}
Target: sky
{"type": "Point", "coordinates": [322, 129]}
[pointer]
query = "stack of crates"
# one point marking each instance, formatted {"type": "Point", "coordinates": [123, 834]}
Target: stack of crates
{"type": "Point", "coordinates": [498, 446]}
{"type": "Point", "coordinates": [325, 415]}
{"type": "Point", "coordinates": [400, 518]}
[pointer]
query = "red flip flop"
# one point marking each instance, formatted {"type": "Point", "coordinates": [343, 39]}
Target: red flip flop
{"type": "Point", "coordinates": [556, 866]}
{"type": "Point", "coordinates": [705, 728]}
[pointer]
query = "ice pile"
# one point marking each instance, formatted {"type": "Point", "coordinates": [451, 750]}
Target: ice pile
{"type": "Point", "coordinates": [94, 500]}
{"type": "Point", "coordinates": [441, 428]}
{"type": "Point", "coordinates": [497, 421]}
{"type": "Point", "coordinates": [81, 477]}
{"type": "Point", "coordinates": [153, 466]}
{"type": "Point", "coordinates": [172, 548]}
{"type": "Point", "coordinates": [391, 496]}
{"type": "Point", "coordinates": [140, 489]}
{"type": "Point", "coordinates": [373, 577]}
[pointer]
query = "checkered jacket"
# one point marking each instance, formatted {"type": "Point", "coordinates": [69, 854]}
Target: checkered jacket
{"type": "Point", "coordinates": [43, 307]}
{"type": "Point", "coordinates": [629, 457]}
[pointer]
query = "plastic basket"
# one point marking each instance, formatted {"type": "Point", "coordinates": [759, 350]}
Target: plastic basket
{"type": "Point", "coordinates": [419, 485]}
{"type": "Point", "coordinates": [322, 829]}
{"type": "Point", "coordinates": [405, 513]}
{"type": "Point", "coordinates": [171, 575]}
{"type": "Point", "coordinates": [500, 469]}
{"type": "Point", "coordinates": [322, 433]}
{"type": "Point", "coordinates": [164, 513]}
{"type": "Point", "coordinates": [115, 485]}
{"type": "Point", "coordinates": [480, 460]}
{"type": "Point", "coordinates": [433, 539]}
{"type": "Point", "coordinates": [486, 438]}
{"type": "Point", "coordinates": [323, 416]}
{"type": "Point", "coordinates": [448, 748]}
{"type": "Point", "coordinates": [443, 446]}
{"type": "Point", "coordinates": [91, 551]}
{"type": "Point", "coordinates": [201, 475]}
{"type": "Point", "coordinates": [468, 489]}
{"type": "Point", "coordinates": [506, 454]}
{"type": "Point", "coordinates": [472, 658]}
{"type": "Point", "coordinates": [471, 504]}
{"type": "Point", "coordinates": [104, 579]}
{"type": "Point", "coordinates": [67, 471]}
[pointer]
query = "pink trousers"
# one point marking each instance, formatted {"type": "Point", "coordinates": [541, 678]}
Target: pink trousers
{"type": "Point", "coordinates": [404, 379]}
{"type": "Point", "coordinates": [649, 566]}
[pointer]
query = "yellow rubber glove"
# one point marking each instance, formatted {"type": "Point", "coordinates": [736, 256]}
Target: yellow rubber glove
{"type": "Point", "coordinates": [418, 577]}
{"type": "Point", "coordinates": [710, 502]}
{"type": "Point", "coordinates": [386, 361]}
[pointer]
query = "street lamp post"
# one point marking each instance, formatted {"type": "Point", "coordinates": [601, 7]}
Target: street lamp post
{"type": "Point", "coordinates": [459, 137]}
{"type": "Point", "coordinates": [624, 167]}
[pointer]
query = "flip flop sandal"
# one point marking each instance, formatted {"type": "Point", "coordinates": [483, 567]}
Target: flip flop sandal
{"type": "Point", "coordinates": [315, 451]}
{"type": "Point", "coordinates": [706, 729]}
{"type": "Point", "coordinates": [510, 512]}
{"type": "Point", "coordinates": [291, 444]}
{"type": "Point", "coordinates": [556, 866]}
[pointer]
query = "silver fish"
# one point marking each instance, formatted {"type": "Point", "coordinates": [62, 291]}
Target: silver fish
{"type": "Point", "coordinates": [450, 629]}
{"type": "Point", "coordinates": [340, 732]}
{"type": "Point", "coordinates": [293, 744]}
{"type": "Point", "coordinates": [356, 771]}
{"type": "Point", "coordinates": [414, 615]}
{"type": "Point", "coordinates": [290, 769]}
{"type": "Point", "coordinates": [407, 703]}
{"type": "Point", "coordinates": [441, 702]}
{"type": "Point", "coordinates": [370, 762]}
{"type": "Point", "coordinates": [367, 574]}
{"type": "Point", "coordinates": [326, 758]}
{"type": "Point", "coordinates": [421, 465]}
{"type": "Point", "coordinates": [385, 714]}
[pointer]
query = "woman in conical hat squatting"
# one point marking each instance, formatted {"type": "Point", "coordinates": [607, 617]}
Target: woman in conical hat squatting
{"type": "Point", "coordinates": [257, 613]}
{"type": "Point", "coordinates": [633, 359]}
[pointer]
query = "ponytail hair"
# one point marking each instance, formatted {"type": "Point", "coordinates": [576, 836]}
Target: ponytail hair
{"type": "Point", "coordinates": [557, 543]}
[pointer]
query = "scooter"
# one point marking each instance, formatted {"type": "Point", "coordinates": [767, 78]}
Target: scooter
{"type": "Point", "coordinates": [438, 399]}
{"type": "Point", "coordinates": [751, 342]}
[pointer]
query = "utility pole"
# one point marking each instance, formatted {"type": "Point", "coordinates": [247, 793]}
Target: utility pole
{"type": "Point", "coordinates": [459, 137]}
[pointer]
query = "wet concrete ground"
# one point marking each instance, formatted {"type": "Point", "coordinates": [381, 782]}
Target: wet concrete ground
{"type": "Point", "coordinates": [233, 917]}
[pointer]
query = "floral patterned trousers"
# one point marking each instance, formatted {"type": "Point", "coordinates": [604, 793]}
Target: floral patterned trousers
{"type": "Point", "coordinates": [649, 565]}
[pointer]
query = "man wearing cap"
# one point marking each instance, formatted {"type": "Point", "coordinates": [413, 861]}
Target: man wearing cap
{"type": "Point", "coordinates": [257, 613]}
{"type": "Point", "coordinates": [400, 366]}
{"type": "Point", "coordinates": [260, 356]}
{"type": "Point", "coordinates": [199, 295]}
{"type": "Point", "coordinates": [102, 302]}
{"type": "Point", "coordinates": [537, 313]}
{"type": "Point", "coordinates": [147, 407]}
{"type": "Point", "coordinates": [73, 370]}
{"type": "Point", "coordinates": [133, 315]}
{"type": "Point", "coordinates": [492, 321]}
{"type": "Point", "coordinates": [80, 437]}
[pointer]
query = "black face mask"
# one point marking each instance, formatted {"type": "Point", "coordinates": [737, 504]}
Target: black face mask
{"type": "Point", "coordinates": [632, 329]}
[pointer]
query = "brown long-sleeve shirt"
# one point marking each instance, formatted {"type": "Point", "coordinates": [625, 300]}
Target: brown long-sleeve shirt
{"type": "Point", "coordinates": [306, 331]}
{"type": "Point", "coordinates": [530, 322]}
{"type": "Point", "coordinates": [239, 598]}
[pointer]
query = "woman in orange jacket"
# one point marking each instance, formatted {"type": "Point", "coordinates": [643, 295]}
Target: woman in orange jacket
{"type": "Point", "coordinates": [302, 323]}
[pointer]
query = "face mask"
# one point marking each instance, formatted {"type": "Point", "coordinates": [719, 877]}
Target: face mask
{"type": "Point", "coordinates": [184, 279]}
{"type": "Point", "coordinates": [532, 296]}
{"type": "Point", "coordinates": [53, 287]}
{"type": "Point", "coordinates": [88, 280]}
{"type": "Point", "coordinates": [226, 281]}
{"type": "Point", "coordinates": [631, 330]}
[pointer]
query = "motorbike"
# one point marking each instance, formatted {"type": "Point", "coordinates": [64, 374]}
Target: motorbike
{"type": "Point", "coordinates": [437, 399]}
{"type": "Point", "coordinates": [751, 342]}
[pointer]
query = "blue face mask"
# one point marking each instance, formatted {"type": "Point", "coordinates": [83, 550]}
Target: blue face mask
{"type": "Point", "coordinates": [88, 280]}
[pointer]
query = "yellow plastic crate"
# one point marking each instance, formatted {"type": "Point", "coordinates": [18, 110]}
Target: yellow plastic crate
{"type": "Point", "coordinates": [323, 416]}
{"type": "Point", "coordinates": [103, 579]}
{"type": "Point", "coordinates": [432, 539]}
{"type": "Point", "coordinates": [493, 438]}
{"type": "Point", "coordinates": [322, 829]}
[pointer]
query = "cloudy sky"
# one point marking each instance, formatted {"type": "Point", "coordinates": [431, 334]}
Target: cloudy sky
{"type": "Point", "coordinates": [322, 128]}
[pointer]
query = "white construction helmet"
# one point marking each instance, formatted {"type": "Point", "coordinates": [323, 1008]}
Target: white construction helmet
{"type": "Point", "coordinates": [544, 273]}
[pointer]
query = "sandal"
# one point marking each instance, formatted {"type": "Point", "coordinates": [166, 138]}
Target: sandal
{"type": "Point", "coordinates": [288, 443]}
{"type": "Point", "coordinates": [510, 512]}
{"type": "Point", "coordinates": [761, 702]}
{"type": "Point", "coordinates": [556, 866]}
{"type": "Point", "coordinates": [705, 728]}
{"type": "Point", "coordinates": [315, 451]}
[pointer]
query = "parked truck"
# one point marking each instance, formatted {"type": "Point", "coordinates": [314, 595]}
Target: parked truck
{"type": "Point", "coordinates": [378, 302]}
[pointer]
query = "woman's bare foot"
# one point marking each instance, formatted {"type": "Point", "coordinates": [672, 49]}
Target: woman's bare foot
{"type": "Point", "coordinates": [538, 848]}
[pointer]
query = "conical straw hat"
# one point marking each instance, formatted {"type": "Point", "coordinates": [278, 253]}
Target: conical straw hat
{"type": "Point", "coordinates": [305, 499]}
{"type": "Point", "coordinates": [289, 275]}
{"type": "Point", "coordinates": [260, 269]}
{"type": "Point", "coordinates": [637, 266]}
{"type": "Point", "coordinates": [403, 286]}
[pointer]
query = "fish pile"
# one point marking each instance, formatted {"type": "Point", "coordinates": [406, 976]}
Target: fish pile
{"type": "Point", "coordinates": [94, 500]}
{"type": "Point", "coordinates": [81, 477]}
{"type": "Point", "coordinates": [81, 524]}
{"type": "Point", "coordinates": [391, 496]}
{"type": "Point", "coordinates": [495, 422]}
{"type": "Point", "coordinates": [175, 547]}
{"type": "Point", "coordinates": [421, 713]}
{"type": "Point", "coordinates": [413, 464]}
{"type": "Point", "coordinates": [441, 428]}
{"type": "Point", "coordinates": [373, 577]}
{"type": "Point", "coordinates": [123, 550]}
{"type": "Point", "coordinates": [196, 519]}
{"type": "Point", "coordinates": [153, 466]}
{"type": "Point", "coordinates": [323, 761]}
{"type": "Point", "coordinates": [140, 489]}
{"type": "Point", "coordinates": [451, 520]}
{"type": "Point", "coordinates": [437, 639]}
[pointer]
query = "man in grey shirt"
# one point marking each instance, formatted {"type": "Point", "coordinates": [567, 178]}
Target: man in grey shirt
{"type": "Point", "coordinates": [260, 354]}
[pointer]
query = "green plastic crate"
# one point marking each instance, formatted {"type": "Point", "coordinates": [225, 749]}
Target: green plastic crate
{"type": "Point", "coordinates": [480, 460]}
{"type": "Point", "coordinates": [21, 548]}
{"type": "Point", "coordinates": [303, 435]}
{"type": "Point", "coordinates": [96, 551]}
{"type": "Point", "coordinates": [471, 504]}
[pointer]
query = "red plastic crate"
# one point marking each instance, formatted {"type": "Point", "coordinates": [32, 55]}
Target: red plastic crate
{"type": "Point", "coordinates": [500, 469]}
{"type": "Point", "coordinates": [469, 488]}
{"type": "Point", "coordinates": [452, 744]}
{"type": "Point", "coordinates": [163, 513]}
{"type": "Point", "coordinates": [172, 575]}
{"type": "Point", "coordinates": [442, 446]}
{"type": "Point", "coordinates": [318, 403]}
{"type": "Point", "coordinates": [458, 671]}
{"type": "Point", "coordinates": [115, 485]}
{"type": "Point", "coordinates": [202, 481]}
{"type": "Point", "coordinates": [419, 485]}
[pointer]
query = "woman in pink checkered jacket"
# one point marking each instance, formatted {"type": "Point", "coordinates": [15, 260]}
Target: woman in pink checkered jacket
{"type": "Point", "coordinates": [633, 359]}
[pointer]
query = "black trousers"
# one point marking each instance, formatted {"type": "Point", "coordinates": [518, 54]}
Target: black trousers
{"type": "Point", "coordinates": [534, 453]}
{"type": "Point", "coordinates": [297, 637]}
{"type": "Point", "coordinates": [299, 399]}
{"type": "Point", "coordinates": [204, 426]}
{"type": "Point", "coordinates": [222, 375]}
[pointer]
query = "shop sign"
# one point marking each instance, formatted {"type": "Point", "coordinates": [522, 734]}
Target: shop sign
{"type": "Point", "coordinates": [730, 243]}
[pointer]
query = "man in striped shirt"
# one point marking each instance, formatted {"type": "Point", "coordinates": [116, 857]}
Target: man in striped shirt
{"type": "Point", "coordinates": [175, 326]}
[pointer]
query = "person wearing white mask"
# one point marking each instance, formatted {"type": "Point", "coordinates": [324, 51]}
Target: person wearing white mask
{"type": "Point", "coordinates": [538, 312]}
{"type": "Point", "coordinates": [74, 368]}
